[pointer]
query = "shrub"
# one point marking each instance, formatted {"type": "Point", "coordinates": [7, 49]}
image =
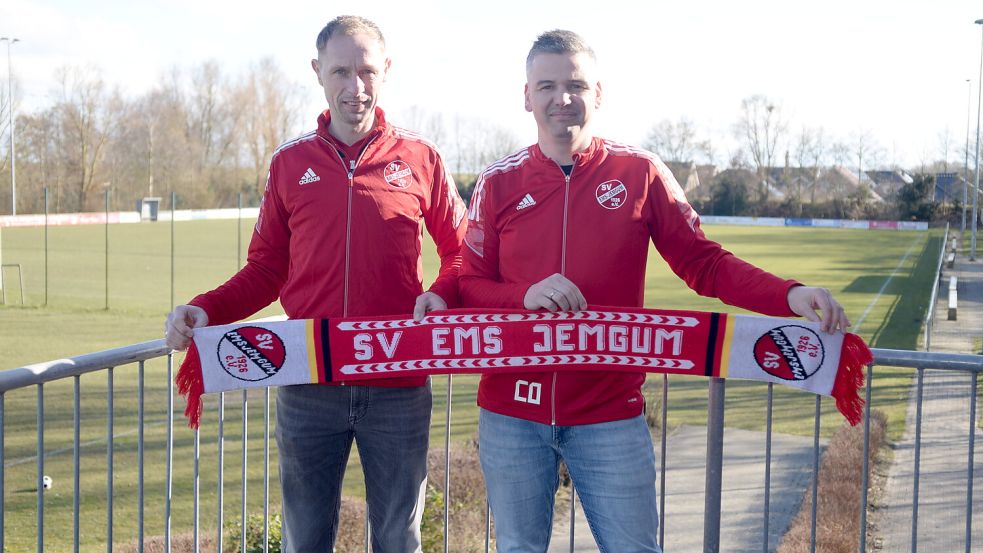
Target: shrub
{"type": "Point", "coordinates": [254, 535]}
{"type": "Point", "coordinates": [840, 487]}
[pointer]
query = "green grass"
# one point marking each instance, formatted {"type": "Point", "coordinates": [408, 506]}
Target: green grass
{"type": "Point", "coordinates": [853, 264]}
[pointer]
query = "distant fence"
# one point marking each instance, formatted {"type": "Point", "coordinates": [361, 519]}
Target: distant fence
{"type": "Point", "coordinates": [38, 220]}
{"type": "Point", "coordinates": [115, 217]}
{"type": "Point", "coordinates": [819, 223]}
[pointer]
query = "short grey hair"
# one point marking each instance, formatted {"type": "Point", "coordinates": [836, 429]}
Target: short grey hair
{"type": "Point", "coordinates": [349, 25]}
{"type": "Point", "coordinates": [559, 41]}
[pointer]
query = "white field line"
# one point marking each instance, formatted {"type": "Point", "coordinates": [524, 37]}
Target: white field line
{"type": "Point", "coordinates": [863, 317]}
{"type": "Point", "coordinates": [63, 450]}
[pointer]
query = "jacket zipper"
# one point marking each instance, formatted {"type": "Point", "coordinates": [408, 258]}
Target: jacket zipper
{"type": "Point", "coordinates": [348, 221]}
{"type": "Point", "coordinates": [348, 233]}
{"type": "Point", "coordinates": [563, 271]}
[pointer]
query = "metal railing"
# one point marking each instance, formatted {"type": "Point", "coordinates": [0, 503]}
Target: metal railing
{"type": "Point", "coordinates": [138, 354]}
{"type": "Point", "coordinates": [930, 310]}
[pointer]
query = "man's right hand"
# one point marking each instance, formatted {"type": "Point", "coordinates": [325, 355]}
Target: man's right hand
{"type": "Point", "coordinates": [555, 293]}
{"type": "Point", "coordinates": [180, 325]}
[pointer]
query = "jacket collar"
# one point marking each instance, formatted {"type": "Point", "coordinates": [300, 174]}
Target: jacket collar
{"type": "Point", "coordinates": [595, 147]}
{"type": "Point", "coordinates": [323, 121]}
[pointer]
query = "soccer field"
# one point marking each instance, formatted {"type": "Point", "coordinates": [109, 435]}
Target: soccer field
{"type": "Point", "coordinates": [854, 264]}
{"type": "Point", "coordinates": [883, 278]}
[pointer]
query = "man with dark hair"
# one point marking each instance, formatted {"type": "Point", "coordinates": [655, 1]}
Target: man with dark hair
{"type": "Point", "coordinates": [554, 226]}
{"type": "Point", "coordinates": [339, 234]}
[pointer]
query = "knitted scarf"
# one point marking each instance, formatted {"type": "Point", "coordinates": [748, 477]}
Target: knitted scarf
{"type": "Point", "coordinates": [790, 352]}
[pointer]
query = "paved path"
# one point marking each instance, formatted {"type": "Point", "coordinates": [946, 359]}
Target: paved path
{"type": "Point", "coordinates": [742, 500]}
{"type": "Point", "coordinates": [944, 462]}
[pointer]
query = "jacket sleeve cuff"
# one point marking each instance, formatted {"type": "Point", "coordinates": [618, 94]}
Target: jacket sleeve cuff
{"type": "Point", "coordinates": [447, 292]}
{"type": "Point", "coordinates": [789, 284]}
{"type": "Point", "coordinates": [214, 316]}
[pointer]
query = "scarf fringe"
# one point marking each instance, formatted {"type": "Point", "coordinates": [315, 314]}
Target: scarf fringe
{"type": "Point", "coordinates": [191, 385]}
{"type": "Point", "coordinates": [850, 378]}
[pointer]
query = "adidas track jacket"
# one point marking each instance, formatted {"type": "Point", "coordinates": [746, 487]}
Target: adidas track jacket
{"type": "Point", "coordinates": [528, 220]}
{"type": "Point", "coordinates": [340, 234]}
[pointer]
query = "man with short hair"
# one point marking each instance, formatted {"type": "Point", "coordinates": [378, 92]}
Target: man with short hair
{"type": "Point", "coordinates": [554, 226]}
{"type": "Point", "coordinates": [339, 234]}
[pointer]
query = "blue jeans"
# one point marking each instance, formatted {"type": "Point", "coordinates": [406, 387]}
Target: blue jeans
{"type": "Point", "coordinates": [612, 466]}
{"type": "Point", "coordinates": [315, 429]}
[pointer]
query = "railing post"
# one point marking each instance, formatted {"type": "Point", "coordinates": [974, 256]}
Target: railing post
{"type": "Point", "coordinates": [76, 466]}
{"type": "Point", "coordinates": [221, 470]}
{"type": "Point", "coordinates": [662, 461]}
{"type": "Point", "coordinates": [140, 445]}
{"type": "Point", "coordinates": [196, 495]}
{"type": "Point", "coordinates": [865, 477]}
{"type": "Point", "coordinates": [447, 464]}
{"type": "Point", "coordinates": [245, 461]}
{"type": "Point", "coordinates": [3, 475]}
{"type": "Point", "coordinates": [169, 459]}
{"type": "Point", "coordinates": [266, 471]}
{"type": "Point", "coordinates": [768, 425]}
{"type": "Point", "coordinates": [109, 456]}
{"type": "Point", "coordinates": [815, 475]}
{"type": "Point", "coordinates": [970, 463]}
{"type": "Point", "coordinates": [919, 391]}
{"type": "Point", "coordinates": [40, 465]}
{"type": "Point", "coordinates": [715, 463]}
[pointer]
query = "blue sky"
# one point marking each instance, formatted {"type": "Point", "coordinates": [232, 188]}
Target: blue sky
{"type": "Point", "coordinates": [896, 69]}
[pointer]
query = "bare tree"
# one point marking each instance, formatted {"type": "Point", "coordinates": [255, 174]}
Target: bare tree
{"type": "Point", "coordinates": [5, 107]}
{"type": "Point", "coordinates": [4, 124]}
{"type": "Point", "coordinates": [477, 143]}
{"type": "Point", "coordinates": [839, 152]}
{"type": "Point", "coordinates": [708, 151]}
{"type": "Point", "coordinates": [945, 146]}
{"type": "Point", "coordinates": [213, 115]}
{"type": "Point", "coordinates": [87, 114]}
{"type": "Point", "coordinates": [270, 105]}
{"type": "Point", "coordinates": [810, 151]}
{"type": "Point", "coordinates": [39, 164]}
{"type": "Point", "coordinates": [151, 151]}
{"type": "Point", "coordinates": [673, 141]}
{"type": "Point", "coordinates": [864, 149]}
{"type": "Point", "coordinates": [428, 123]}
{"type": "Point", "coordinates": [762, 128]}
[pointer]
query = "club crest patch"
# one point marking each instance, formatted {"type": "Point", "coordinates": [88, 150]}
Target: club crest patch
{"type": "Point", "coordinates": [397, 173]}
{"type": "Point", "coordinates": [611, 194]}
{"type": "Point", "coordinates": [251, 353]}
{"type": "Point", "coordinates": [790, 352]}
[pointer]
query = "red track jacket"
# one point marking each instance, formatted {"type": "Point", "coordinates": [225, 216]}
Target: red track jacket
{"type": "Point", "coordinates": [528, 220]}
{"type": "Point", "coordinates": [342, 237]}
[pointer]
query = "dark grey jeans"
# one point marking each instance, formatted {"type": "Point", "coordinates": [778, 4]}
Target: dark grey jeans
{"type": "Point", "coordinates": [315, 429]}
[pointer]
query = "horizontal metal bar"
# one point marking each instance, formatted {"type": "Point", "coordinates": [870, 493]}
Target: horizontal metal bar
{"type": "Point", "coordinates": [39, 373]}
{"type": "Point", "coordinates": [928, 360]}
{"type": "Point", "coordinates": [48, 371]}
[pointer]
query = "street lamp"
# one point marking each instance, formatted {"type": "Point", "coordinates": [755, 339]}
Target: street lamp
{"type": "Point", "coordinates": [969, 95]}
{"type": "Point", "coordinates": [10, 112]}
{"type": "Point", "coordinates": [976, 191]}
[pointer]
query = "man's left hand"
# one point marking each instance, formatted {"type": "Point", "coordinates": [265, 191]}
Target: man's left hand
{"type": "Point", "coordinates": [427, 302]}
{"type": "Point", "coordinates": [805, 300]}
